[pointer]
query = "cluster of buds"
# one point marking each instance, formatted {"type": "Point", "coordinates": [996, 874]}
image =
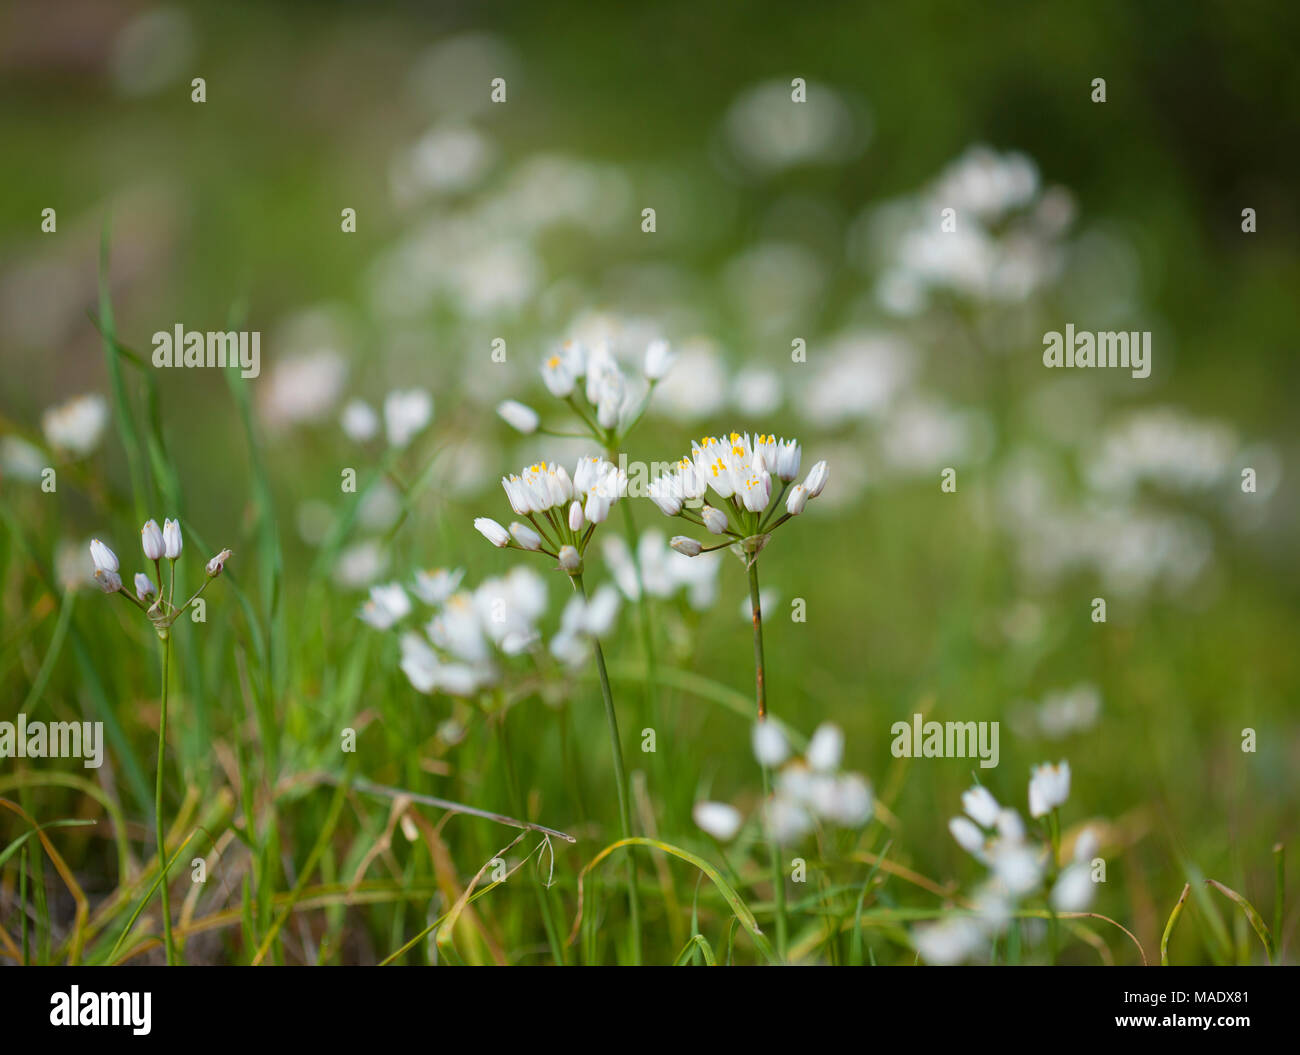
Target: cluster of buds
{"type": "Point", "coordinates": [740, 472]}
{"type": "Point", "coordinates": [562, 510]}
{"type": "Point", "coordinates": [595, 386]}
{"type": "Point", "coordinates": [158, 544]}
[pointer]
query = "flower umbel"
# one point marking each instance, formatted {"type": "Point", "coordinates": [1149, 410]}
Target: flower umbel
{"type": "Point", "coordinates": [743, 474]}
{"type": "Point", "coordinates": [563, 510]}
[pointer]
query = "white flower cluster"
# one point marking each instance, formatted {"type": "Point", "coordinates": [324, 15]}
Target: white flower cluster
{"type": "Point", "coordinates": [1002, 244]}
{"type": "Point", "coordinates": [613, 401]}
{"type": "Point", "coordinates": [739, 471]}
{"type": "Point", "coordinates": [406, 413]}
{"type": "Point", "coordinates": [459, 649]}
{"type": "Point", "coordinates": [664, 571]}
{"type": "Point", "coordinates": [996, 837]}
{"type": "Point", "coordinates": [158, 544]}
{"type": "Point", "coordinates": [808, 792]}
{"type": "Point", "coordinates": [546, 495]}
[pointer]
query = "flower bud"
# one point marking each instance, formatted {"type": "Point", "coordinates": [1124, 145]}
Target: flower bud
{"type": "Point", "coordinates": [570, 560]}
{"type": "Point", "coordinates": [816, 479]}
{"type": "Point", "coordinates": [576, 519]}
{"type": "Point", "coordinates": [518, 416]}
{"type": "Point", "coordinates": [151, 540]}
{"type": "Point", "coordinates": [144, 587]}
{"type": "Point", "coordinates": [108, 580]}
{"type": "Point", "coordinates": [685, 545]}
{"type": "Point", "coordinates": [492, 531]}
{"type": "Point", "coordinates": [659, 359]}
{"type": "Point", "coordinates": [526, 536]}
{"type": "Point", "coordinates": [218, 563]}
{"type": "Point", "coordinates": [171, 534]}
{"type": "Point", "coordinates": [105, 559]}
{"type": "Point", "coordinates": [798, 498]}
{"type": "Point", "coordinates": [714, 519]}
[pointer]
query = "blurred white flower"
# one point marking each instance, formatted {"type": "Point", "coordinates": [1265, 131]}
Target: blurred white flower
{"type": "Point", "coordinates": [359, 421]}
{"type": "Point", "coordinates": [768, 131]}
{"type": "Point", "coordinates": [718, 820]}
{"type": "Point", "coordinates": [859, 374]}
{"type": "Point", "coordinates": [77, 425]}
{"type": "Point", "coordinates": [697, 386]}
{"type": "Point", "coordinates": [302, 388]}
{"type": "Point", "coordinates": [1049, 787]}
{"type": "Point", "coordinates": [21, 460]}
{"type": "Point", "coordinates": [770, 746]}
{"type": "Point", "coordinates": [387, 605]}
{"type": "Point", "coordinates": [434, 587]}
{"type": "Point", "coordinates": [519, 416]}
{"type": "Point", "coordinates": [826, 748]}
{"type": "Point", "coordinates": [406, 414]}
{"type": "Point", "coordinates": [360, 564]}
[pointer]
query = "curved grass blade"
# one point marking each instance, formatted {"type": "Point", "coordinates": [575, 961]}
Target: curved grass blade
{"type": "Point", "coordinates": [1256, 920]}
{"type": "Point", "coordinates": [738, 907]}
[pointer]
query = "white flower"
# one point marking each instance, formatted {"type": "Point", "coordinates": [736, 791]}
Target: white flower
{"type": "Point", "coordinates": [576, 518]}
{"type": "Point", "coordinates": [108, 580]}
{"type": "Point", "coordinates": [583, 619]}
{"type": "Point", "coordinates": [967, 834]}
{"type": "Point", "coordinates": [434, 587]}
{"type": "Point", "coordinates": [1049, 787]}
{"type": "Point", "coordinates": [525, 536]}
{"type": "Point", "coordinates": [1074, 888]}
{"type": "Point", "coordinates": [171, 533]}
{"type": "Point", "coordinates": [826, 748]}
{"type": "Point", "coordinates": [787, 821]}
{"type": "Point", "coordinates": [981, 806]}
{"type": "Point", "coordinates": [850, 802]}
{"type": "Point", "coordinates": [359, 421]}
{"type": "Point", "coordinates": [217, 564]}
{"type": "Point", "coordinates": [796, 500]}
{"type": "Point", "coordinates": [659, 359]}
{"type": "Point", "coordinates": [717, 819]}
{"type": "Point", "coordinates": [714, 519]}
{"type": "Point", "coordinates": [559, 376]}
{"type": "Point", "coordinates": [570, 559]}
{"type": "Point", "coordinates": [302, 387]}
{"type": "Point", "coordinates": [360, 564]}
{"type": "Point", "coordinates": [151, 540]}
{"type": "Point", "coordinates": [388, 604]}
{"type": "Point", "coordinates": [1017, 865]}
{"type": "Point", "coordinates": [770, 746]}
{"type": "Point", "coordinates": [104, 558]}
{"type": "Point", "coordinates": [419, 662]}
{"type": "Point", "coordinates": [687, 546]}
{"type": "Point", "coordinates": [815, 482]}
{"type": "Point", "coordinates": [950, 941]}
{"type": "Point", "coordinates": [492, 531]}
{"type": "Point", "coordinates": [406, 413]}
{"type": "Point", "coordinates": [1086, 845]}
{"type": "Point", "coordinates": [76, 426]}
{"type": "Point", "coordinates": [144, 587]}
{"type": "Point", "coordinates": [518, 416]}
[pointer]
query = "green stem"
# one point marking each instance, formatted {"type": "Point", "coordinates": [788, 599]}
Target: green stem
{"type": "Point", "coordinates": [157, 805]}
{"type": "Point", "coordinates": [760, 694]}
{"type": "Point", "coordinates": [620, 780]}
{"type": "Point", "coordinates": [515, 794]}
